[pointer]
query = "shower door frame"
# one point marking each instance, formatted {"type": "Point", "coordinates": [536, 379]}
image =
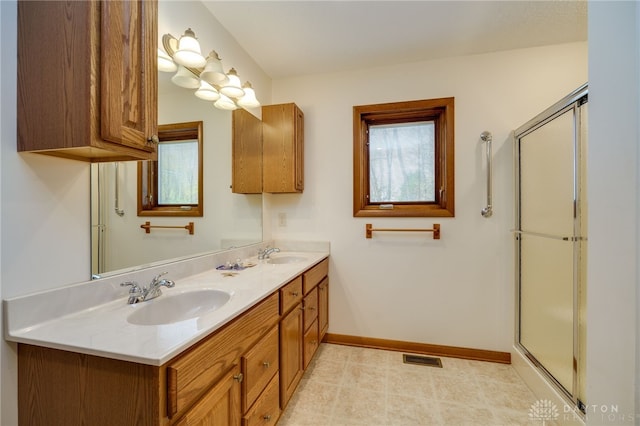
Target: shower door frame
{"type": "Point", "coordinates": [573, 101]}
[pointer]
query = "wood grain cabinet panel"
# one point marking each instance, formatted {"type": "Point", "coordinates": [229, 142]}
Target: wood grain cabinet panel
{"type": "Point", "coordinates": [266, 410]}
{"type": "Point", "coordinates": [283, 148]}
{"type": "Point", "coordinates": [323, 308]}
{"type": "Point", "coordinates": [290, 295]}
{"type": "Point", "coordinates": [220, 405]}
{"type": "Point", "coordinates": [87, 79]}
{"type": "Point", "coordinates": [313, 276]}
{"type": "Point", "coordinates": [259, 365]}
{"type": "Point", "coordinates": [247, 153]}
{"type": "Point", "coordinates": [310, 308]}
{"type": "Point", "coordinates": [291, 358]}
{"type": "Point", "coordinates": [311, 343]}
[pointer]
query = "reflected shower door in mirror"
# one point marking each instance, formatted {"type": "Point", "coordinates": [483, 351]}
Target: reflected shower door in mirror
{"type": "Point", "coordinates": [229, 220]}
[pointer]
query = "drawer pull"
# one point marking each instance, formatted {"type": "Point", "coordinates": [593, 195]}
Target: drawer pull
{"type": "Point", "coordinates": [238, 377]}
{"type": "Point", "coordinates": [266, 417]}
{"type": "Point", "coordinates": [294, 293]}
{"type": "Point", "coordinates": [266, 364]}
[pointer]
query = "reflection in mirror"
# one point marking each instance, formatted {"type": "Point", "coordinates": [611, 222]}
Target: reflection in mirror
{"type": "Point", "coordinates": [229, 220]}
{"type": "Point", "coordinates": [172, 186]}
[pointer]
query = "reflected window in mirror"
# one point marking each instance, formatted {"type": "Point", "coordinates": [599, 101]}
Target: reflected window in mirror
{"type": "Point", "coordinates": [172, 186]}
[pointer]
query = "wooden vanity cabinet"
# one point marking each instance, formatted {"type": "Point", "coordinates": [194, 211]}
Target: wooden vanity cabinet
{"type": "Point", "coordinates": [246, 153]}
{"type": "Point", "coordinates": [192, 374]}
{"type": "Point", "coordinates": [282, 148]}
{"type": "Point", "coordinates": [291, 339]}
{"type": "Point", "coordinates": [244, 373]}
{"type": "Point", "coordinates": [299, 327]}
{"type": "Point", "coordinates": [87, 79]}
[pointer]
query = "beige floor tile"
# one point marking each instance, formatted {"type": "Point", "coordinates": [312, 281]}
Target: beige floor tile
{"type": "Point", "coordinates": [349, 386]}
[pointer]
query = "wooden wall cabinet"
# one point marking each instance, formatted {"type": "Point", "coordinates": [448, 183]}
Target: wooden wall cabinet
{"type": "Point", "coordinates": [247, 153]}
{"type": "Point", "coordinates": [283, 148]}
{"type": "Point", "coordinates": [87, 79]}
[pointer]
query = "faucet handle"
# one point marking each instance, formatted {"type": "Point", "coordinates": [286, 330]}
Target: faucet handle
{"type": "Point", "coordinates": [157, 277]}
{"type": "Point", "coordinates": [134, 286]}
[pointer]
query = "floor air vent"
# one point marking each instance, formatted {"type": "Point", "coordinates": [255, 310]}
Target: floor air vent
{"type": "Point", "coordinates": [422, 360]}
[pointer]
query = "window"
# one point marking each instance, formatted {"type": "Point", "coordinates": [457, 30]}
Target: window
{"type": "Point", "coordinates": [403, 159]}
{"type": "Point", "coordinates": [172, 185]}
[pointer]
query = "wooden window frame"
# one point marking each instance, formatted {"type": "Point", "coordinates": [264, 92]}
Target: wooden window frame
{"type": "Point", "coordinates": [148, 174]}
{"type": "Point", "coordinates": [441, 111]}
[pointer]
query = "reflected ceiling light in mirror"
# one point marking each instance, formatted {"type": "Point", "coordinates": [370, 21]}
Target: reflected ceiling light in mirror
{"type": "Point", "coordinates": [249, 99]}
{"type": "Point", "coordinates": [232, 88]}
{"type": "Point", "coordinates": [184, 78]}
{"type": "Point", "coordinates": [225, 103]}
{"type": "Point", "coordinates": [165, 63]}
{"type": "Point", "coordinates": [188, 53]}
{"type": "Point", "coordinates": [207, 92]}
{"type": "Point", "coordinates": [208, 77]}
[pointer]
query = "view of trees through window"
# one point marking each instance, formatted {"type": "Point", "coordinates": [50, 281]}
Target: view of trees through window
{"type": "Point", "coordinates": [402, 162]}
{"type": "Point", "coordinates": [178, 172]}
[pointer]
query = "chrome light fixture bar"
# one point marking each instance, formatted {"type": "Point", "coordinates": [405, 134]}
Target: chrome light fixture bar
{"type": "Point", "coordinates": [193, 71]}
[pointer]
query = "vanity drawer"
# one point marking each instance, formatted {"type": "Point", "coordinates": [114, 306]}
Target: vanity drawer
{"type": "Point", "coordinates": [310, 308]}
{"type": "Point", "coordinates": [290, 295]}
{"type": "Point", "coordinates": [258, 367]}
{"type": "Point", "coordinates": [313, 276]}
{"type": "Point", "coordinates": [193, 372]}
{"type": "Point", "coordinates": [266, 411]}
{"type": "Point", "coordinates": [311, 343]}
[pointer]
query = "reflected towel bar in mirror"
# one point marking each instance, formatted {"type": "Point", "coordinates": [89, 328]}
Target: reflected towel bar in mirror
{"type": "Point", "coordinates": [147, 227]}
{"type": "Point", "coordinates": [436, 230]}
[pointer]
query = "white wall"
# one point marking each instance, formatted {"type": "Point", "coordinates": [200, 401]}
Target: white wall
{"type": "Point", "coordinates": [612, 275]}
{"type": "Point", "coordinates": [459, 290]}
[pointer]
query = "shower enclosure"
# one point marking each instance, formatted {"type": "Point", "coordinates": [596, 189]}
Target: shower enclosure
{"type": "Point", "coordinates": [550, 238]}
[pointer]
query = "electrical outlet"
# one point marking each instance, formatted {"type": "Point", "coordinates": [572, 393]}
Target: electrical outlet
{"type": "Point", "coordinates": [282, 219]}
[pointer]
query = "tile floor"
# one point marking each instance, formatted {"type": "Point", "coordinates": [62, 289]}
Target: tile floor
{"type": "Point", "coordinates": [358, 386]}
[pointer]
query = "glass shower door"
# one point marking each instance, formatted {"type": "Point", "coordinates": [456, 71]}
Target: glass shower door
{"type": "Point", "coordinates": [549, 244]}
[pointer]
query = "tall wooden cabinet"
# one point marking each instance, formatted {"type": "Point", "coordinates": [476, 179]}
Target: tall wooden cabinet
{"type": "Point", "coordinates": [283, 148]}
{"type": "Point", "coordinates": [87, 79]}
{"type": "Point", "coordinates": [247, 153]}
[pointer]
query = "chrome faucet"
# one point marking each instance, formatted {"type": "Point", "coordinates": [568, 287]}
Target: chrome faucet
{"type": "Point", "coordinates": [138, 294]}
{"type": "Point", "coordinates": [264, 254]}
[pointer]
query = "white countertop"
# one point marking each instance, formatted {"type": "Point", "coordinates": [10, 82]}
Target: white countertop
{"type": "Point", "coordinates": [103, 329]}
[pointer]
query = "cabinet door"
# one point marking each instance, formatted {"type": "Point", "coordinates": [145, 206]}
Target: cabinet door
{"type": "Point", "coordinates": [311, 343]}
{"type": "Point", "coordinates": [129, 81]}
{"type": "Point", "coordinates": [310, 308]}
{"type": "Point", "coordinates": [247, 153]}
{"type": "Point", "coordinates": [283, 148]}
{"type": "Point", "coordinates": [220, 406]}
{"type": "Point", "coordinates": [291, 367]}
{"type": "Point", "coordinates": [323, 308]}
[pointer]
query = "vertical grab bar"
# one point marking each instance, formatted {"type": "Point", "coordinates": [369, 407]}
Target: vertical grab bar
{"type": "Point", "coordinates": [487, 138]}
{"type": "Point", "coordinates": [117, 208]}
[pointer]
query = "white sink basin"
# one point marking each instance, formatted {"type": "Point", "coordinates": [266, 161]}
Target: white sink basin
{"type": "Point", "coordinates": [170, 308]}
{"type": "Point", "coordinates": [280, 260]}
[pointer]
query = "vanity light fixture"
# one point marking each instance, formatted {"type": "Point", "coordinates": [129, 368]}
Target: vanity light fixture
{"type": "Point", "coordinates": [232, 88]}
{"type": "Point", "coordinates": [188, 53]}
{"type": "Point", "coordinates": [205, 75]}
{"type": "Point", "coordinates": [249, 99]}
{"type": "Point", "coordinates": [184, 78]}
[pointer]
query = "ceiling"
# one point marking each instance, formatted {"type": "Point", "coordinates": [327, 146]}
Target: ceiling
{"type": "Point", "coordinates": [291, 38]}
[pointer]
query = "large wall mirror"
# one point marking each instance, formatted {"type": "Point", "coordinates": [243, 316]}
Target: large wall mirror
{"type": "Point", "coordinates": [229, 220]}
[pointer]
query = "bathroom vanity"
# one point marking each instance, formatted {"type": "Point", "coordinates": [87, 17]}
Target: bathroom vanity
{"type": "Point", "coordinates": [239, 364]}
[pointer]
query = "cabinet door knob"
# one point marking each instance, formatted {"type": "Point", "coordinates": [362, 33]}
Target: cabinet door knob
{"type": "Point", "coordinates": [266, 364]}
{"type": "Point", "coordinates": [154, 140]}
{"type": "Point", "coordinates": [294, 293]}
{"type": "Point", "coordinates": [238, 377]}
{"type": "Point", "coordinates": [266, 417]}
